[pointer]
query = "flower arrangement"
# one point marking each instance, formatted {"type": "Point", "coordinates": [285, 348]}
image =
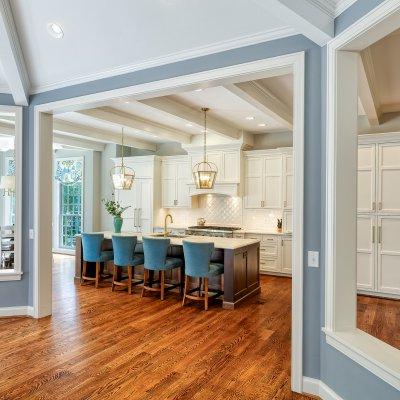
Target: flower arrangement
{"type": "Point", "coordinates": [114, 208]}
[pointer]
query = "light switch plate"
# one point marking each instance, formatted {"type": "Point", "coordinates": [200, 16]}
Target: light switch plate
{"type": "Point", "coordinates": [313, 259]}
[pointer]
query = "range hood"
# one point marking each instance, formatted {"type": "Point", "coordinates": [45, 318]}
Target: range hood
{"type": "Point", "coordinates": [220, 189]}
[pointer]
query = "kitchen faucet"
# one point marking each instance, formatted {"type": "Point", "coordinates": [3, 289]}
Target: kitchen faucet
{"type": "Point", "coordinates": [165, 223]}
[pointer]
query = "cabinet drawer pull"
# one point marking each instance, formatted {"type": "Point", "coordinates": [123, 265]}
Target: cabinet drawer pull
{"type": "Point", "coordinates": [373, 206]}
{"type": "Point", "coordinates": [380, 205]}
{"type": "Point", "coordinates": [380, 235]}
{"type": "Point", "coordinates": [373, 234]}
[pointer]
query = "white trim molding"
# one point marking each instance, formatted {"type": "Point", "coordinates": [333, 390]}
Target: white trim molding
{"type": "Point", "coordinates": [341, 196]}
{"type": "Point", "coordinates": [290, 63]}
{"type": "Point", "coordinates": [318, 388]}
{"type": "Point", "coordinates": [17, 311]}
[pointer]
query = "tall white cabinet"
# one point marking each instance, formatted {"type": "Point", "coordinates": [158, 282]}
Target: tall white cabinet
{"type": "Point", "coordinates": [378, 220]}
{"type": "Point", "coordinates": [143, 199]}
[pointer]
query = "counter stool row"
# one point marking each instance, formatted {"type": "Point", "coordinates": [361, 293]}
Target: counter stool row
{"type": "Point", "coordinates": [127, 253]}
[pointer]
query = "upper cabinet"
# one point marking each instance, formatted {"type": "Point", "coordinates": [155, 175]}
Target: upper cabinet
{"type": "Point", "coordinates": [268, 179]}
{"type": "Point", "coordinates": [366, 177]}
{"type": "Point", "coordinates": [175, 177]}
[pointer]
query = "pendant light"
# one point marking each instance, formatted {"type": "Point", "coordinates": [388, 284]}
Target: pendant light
{"type": "Point", "coordinates": [122, 176]}
{"type": "Point", "coordinates": [204, 173]}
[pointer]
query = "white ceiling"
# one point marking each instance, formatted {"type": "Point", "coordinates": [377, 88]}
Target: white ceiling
{"type": "Point", "coordinates": [103, 38]}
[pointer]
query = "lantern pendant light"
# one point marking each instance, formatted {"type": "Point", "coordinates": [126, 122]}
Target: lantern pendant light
{"type": "Point", "coordinates": [122, 176]}
{"type": "Point", "coordinates": [204, 173]}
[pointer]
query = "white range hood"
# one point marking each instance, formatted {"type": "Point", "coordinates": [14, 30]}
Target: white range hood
{"type": "Point", "coordinates": [220, 189]}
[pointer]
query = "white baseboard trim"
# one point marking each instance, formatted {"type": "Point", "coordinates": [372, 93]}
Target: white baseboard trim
{"type": "Point", "coordinates": [319, 388]}
{"type": "Point", "coordinates": [16, 311]}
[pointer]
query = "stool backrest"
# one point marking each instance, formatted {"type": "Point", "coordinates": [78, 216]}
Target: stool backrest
{"type": "Point", "coordinates": [155, 252]}
{"type": "Point", "coordinates": [197, 258]}
{"type": "Point", "coordinates": [124, 250]}
{"type": "Point", "coordinates": [91, 244]}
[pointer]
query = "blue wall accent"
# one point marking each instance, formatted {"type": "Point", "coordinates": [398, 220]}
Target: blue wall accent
{"type": "Point", "coordinates": [354, 13]}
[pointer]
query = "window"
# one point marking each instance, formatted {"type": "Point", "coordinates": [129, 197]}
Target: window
{"type": "Point", "coordinates": [69, 173]}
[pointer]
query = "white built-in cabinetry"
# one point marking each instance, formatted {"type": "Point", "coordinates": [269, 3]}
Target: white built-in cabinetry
{"type": "Point", "coordinates": [378, 219]}
{"type": "Point", "coordinates": [143, 199]}
{"type": "Point", "coordinates": [175, 178]}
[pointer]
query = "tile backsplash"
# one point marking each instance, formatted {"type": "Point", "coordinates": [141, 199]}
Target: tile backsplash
{"type": "Point", "coordinates": [223, 210]}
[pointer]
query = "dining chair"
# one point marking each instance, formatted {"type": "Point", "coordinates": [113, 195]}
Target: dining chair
{"type": "Point", "coordinates": [198, 265]}
{"type": "Point", "coordinates": [125, 256]}
{"type": "Point", "coordinates": [155, 259]}
{"type": "Point", "coordinates": [93, 253]}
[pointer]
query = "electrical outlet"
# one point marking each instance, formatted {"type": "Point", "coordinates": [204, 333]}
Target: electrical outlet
{"type": "Point", "coordinates": [313, 259]}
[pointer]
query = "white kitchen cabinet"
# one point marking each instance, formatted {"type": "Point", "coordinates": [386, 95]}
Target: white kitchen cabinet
{"type": "Point", "coordinates": [366, 252]}
{"type": "Point", "coordinates": [287, 181]}
{"type": "Point", "coordinates": [388, 277]}
{"type": "Point", "coordinates": [286, 254]}
{"type": "Point", "coordinates": [366, 176]}
{"type": "Point", "coordinates": [388, 196]}
{"type": "Point", "coordinates": [273, 182]}
{"type": "Point", "coordinates": [254, 195]}
{"type": "Point", "coordinates": [175, 177]}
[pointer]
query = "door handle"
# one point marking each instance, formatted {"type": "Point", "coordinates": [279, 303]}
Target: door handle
{"type": "Point", "coordinates": [134, 217]}
{"type": "Point", "coordinates": [373, 206]}
{"type": "Point", "coordinates": [285, 203]}
{"type": "Point", "coordinates": [139, 221]}
{"type": "Point", "coordinates": [380, 235]}
{"type": "Point", "coordinates": [373, 234]}
{"type": "Point", "coordinates": [380, 205]}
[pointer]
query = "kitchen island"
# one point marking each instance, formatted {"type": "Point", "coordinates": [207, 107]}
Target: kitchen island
{"type": "Point", "coordinates": [241, 258]}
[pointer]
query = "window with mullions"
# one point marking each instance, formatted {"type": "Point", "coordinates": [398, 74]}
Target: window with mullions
{"type": "Point", "coordinates": [69, 173]}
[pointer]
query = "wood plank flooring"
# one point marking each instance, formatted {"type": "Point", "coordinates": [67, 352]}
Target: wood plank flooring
{"type": "Point", "coordinates": [380, 318]}
{"type": "Point", "coordinates": [104, 345]}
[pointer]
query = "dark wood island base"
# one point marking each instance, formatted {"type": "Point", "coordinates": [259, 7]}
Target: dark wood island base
{"type": "Point", "coordinates": [241, 258]}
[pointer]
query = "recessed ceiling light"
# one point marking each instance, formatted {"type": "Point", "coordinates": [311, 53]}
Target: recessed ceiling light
{"type": "Point", "coordinates": [262, 125]}
{"type": "Point", "coordinates": [198, 90]}
{"type": "Point", "coordinates": [250, 118]}
{"type": "Point", "coordinates": [189, 124]}
{"type": "Point", "coordinates": [55, 30]}
{"type": "Point", "coordinates": [127, 102]}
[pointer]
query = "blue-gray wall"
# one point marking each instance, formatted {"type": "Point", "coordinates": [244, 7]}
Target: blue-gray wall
{"type": "Point", "coordinates": [320, 360]}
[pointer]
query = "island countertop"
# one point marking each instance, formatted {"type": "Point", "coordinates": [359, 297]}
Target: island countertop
{"type": "Point", "coordinates": [219, 242]}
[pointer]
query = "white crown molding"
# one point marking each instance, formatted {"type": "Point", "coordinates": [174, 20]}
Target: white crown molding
{"type": "Point", "coordinates": [218, 47]}
{"type": "Point", "coordinates": [342, 5]}
{"type": "Point", "coordinates": [326, 6]}
{"type": "Point", "coordinates": [318, 388]}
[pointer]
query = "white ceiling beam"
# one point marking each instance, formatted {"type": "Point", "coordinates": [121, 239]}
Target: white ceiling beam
{"type": "Point", "coordinates": [11, 57]}
{"type": "Point", "coordinates": [309, 17]}
{"type": "Point", "coordinates": [85, 132]}
{"type": "Point", "coordinates": [264, 100]}
{"type": "Point", "coordinates": [140, 125]}
{"type": "Point", "coordinates": [78, 143]}
{"type": "Point", "coordinates": [189, 114]}
{"type": "Point", "coordinates": [367, 90]}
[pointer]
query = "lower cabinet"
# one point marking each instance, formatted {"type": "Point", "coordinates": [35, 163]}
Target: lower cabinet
{"type": "Point", "coordinates": [275, 253]}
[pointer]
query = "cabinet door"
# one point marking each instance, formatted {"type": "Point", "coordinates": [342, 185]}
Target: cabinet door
{"type": "Point", "coordinates": [366, 201]}
{"type": "Point", "coordinates": [231, 166]}
{"type": "Point", "coordinates": [366, 253]}
{"type": "Point", "coordinates": [286, 254]}
{"type": "Point", "coordinates": [168, 192]}
{"type": "Point", "coordinates": [127, 198]}
{"type": "Point", "coordinates": [272, 182]}
{"type": "Point", "coordinates": [287, 222]}
{"type": "Point", "coordinates": [389, 178]}
{"type": "Point", "coordinates": [183, 176]}
{"type": "Point", "coordinates": [389, 254]}
{"type": "Point", "coordinates": [287, 181]}
{"type": "Point", "coordinates": [253, 197]}
{"type": "Point", "coordinates": [145, 201]}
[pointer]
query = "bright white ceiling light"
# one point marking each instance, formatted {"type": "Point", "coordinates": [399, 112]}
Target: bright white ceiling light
{"type": "Point", "coordinates": [262, 125]}
{"type": "Point", "coordinates": [250, 118]}
{"type": "Point", "coordinates": [189, 124]}
{"type": "Point", "coordinates": [55, 30]}
{"type": "Point", "coordinates": [198, 90]}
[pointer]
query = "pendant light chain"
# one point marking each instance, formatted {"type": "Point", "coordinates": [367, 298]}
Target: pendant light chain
{"type": "Point", "coordinates": [205, 134]}
{"type": "Point", "coordinates": [122, 141]}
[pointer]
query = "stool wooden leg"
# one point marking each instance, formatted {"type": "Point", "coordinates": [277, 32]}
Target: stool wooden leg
{"type": "Point", "coordinates": [162, 284]}
{"type": "Point", "coordinates": [199, 286]}
{"type": "Point", "coordinates": [97, 275]}
{"type": "Point", "coordinates": [185, 289]}
{"type": "Point", "coordinates": [130, 280]}
{"type": "Point", "coordinates": [84, 271]}
{"type": "Point", "coordinates": [114, 277]}
{"type": "Point", "coordinates": [144, 282]}
{"type": "Point", "coordinates": [206, 294]}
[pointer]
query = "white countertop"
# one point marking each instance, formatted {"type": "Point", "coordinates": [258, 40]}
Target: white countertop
{"type": "Point", "coordinates": [262, 231]}
{"type": "Point", "coordinates": [219, 242]}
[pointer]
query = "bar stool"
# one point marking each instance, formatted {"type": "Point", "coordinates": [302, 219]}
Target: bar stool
{"type": "Point", "coordinates": [92, 244]}
{"type": "Point", "coordinates": [198, 265]}
{"type": "Point", "coordinates": [155, 259]}
{"type": "Point", "coordinates": [125, 257]}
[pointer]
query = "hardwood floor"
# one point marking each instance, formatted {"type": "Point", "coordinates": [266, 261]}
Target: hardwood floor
{"type": "Point", "coordinates": [380, 318]}
{"type": "Point", "coordinates": [104, 345]}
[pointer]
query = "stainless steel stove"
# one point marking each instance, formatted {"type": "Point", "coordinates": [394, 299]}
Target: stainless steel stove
{"type": "Point", "coordinates": [214, 231]}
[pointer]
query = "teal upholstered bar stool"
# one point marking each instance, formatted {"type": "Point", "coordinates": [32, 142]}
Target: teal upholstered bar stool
{"type": "Point", "coordinates": [155, 259]}
{"type": "Point", "coordinates": [198, 265]}
{"type": "Point", "coordinates": [92, 252]}
{"type": "Point", "coordinates": [125, 256]}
